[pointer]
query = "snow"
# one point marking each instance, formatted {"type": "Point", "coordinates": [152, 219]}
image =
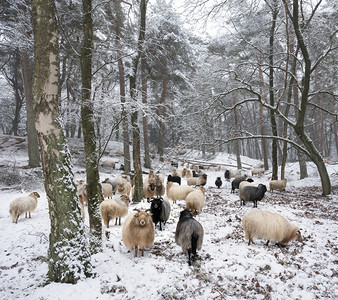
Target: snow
{"type": "Point", "coordinates": [226, 267]}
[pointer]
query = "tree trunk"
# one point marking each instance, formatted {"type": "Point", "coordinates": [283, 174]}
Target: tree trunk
{"type": "Point", "coordinates": [299, 126]}
{"type": "Point", "coordinates": [32, 136]}
{"type": "Point", "coordinates": [147, 162]}
{"type": "Point", "coordinates": [274, 157]}
{"type": "Point", "coordinates": [237, 142]}
{"type": "Point", "coordinates": [162, 115]}
{"type": "Point", "coordinates": [68, 254]}
{"type": "Point", "coordinates": [138, 190]}
{"type": "Point", "coordinates": [94, 190]}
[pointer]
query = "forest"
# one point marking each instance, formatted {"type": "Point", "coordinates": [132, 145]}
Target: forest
{"type": "Point", "coordinates": [165, 79]}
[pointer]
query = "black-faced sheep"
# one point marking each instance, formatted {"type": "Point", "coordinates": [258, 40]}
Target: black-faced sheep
{"type": "Point", "coordinates": [201, 180]}
{"type": "Point", "coordinates": [235, 183]}
{"type": "Point", "coordinates": [189, 234]}
{"type": "Point", "coordinates": [138, 231]}
{"type": "Point", "coordinates": [114, 208]}
{"type": "Point", "coordinates": [176, 179]}
{"type": "Point", "coordinates": [177, 192]}
{"type": "Point", "coordinates": [253, 193]}
{"type": "Point", "coordinates": [195, 174]}
{"type": "Point", "coordinates": [263, 224]}
{"type": "Point", "coordinates": [277, 185]}
{"type": "Point", "coordinates": [24, 204]}
{"type": "Point", "coordinates": [195, 200]}
{"type": "Point", "coordinates": [218, 182]}
{"type": "Point", "coordinates": [160, 210]}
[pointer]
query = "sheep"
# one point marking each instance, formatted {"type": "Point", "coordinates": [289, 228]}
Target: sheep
{"type": "Point", "coordinates": [218, 168]}
{"type": "Point", "coordinates": [124, 188]}
{"type": "Point", "coordinates": [138, 231]}
{"type": "Point", "coordinates": [253, 193]}
{"type": "Point", "coordinates": [149, 188]}
{"type": "Point", "coordinates": [195, 200]}
{"type": "Point", "coordinates": [174, 164]}
{"type": "Point", "coordinates": [195, 174]}
{"type": "Point", "coordinates": [263, 224]}
{"type": "Point", "coordinates": [174, 179]}
{"type": "Point", "coordinates": [257, 171]}
{"type": "Point", "coordinates": [227, 175]}
{"type": "Point", "coordinates": [188, 174]}
{"type": "Point", "coordinates": [277, 185]}
{"type": "Point", "coordinates": [241, 185]}
{"type": "Point", "coordinates": [160, 210]}
{"type": "Point", "coordinates": [159, 186]}
{"type": "Point", "coordinates": [83, 198]}
{"type": "Point", "coordinates": [189, 234]}
{"type": "Point", "coordinates": [109, 163]}
{"type": "Point", "coordinates": [202, 180]}
{"type": "Point", "coordinates": [176, 172]}
{"type": "Point", "coordinates": [114, 208]}
{"type": "Point", "coordinates": [235, 183]}
{"type": "Point", "coordinates": [218, 182]}
{"type": "Point", "coordinates": [107, 190]}
{"type": "Point", "coordinates": [24, 204]}
{"type": "Point", "coordinates": [177, 192]}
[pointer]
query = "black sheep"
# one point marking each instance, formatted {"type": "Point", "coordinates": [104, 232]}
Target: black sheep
{"type": "Point", "coordinates": [253, 193]}
{"type": "Point", "coordinates": [218, 182]}
{"type": "Point", "coordinates": [235, 183]}
{"type": "Point", "coordinates": [189, 234]}
{"type": "Point", "coordinates": [227, 175]}
{"type": "Point", "coordinates": [174, 179]}
{"type": "Point", "coordinates": [160, 210]}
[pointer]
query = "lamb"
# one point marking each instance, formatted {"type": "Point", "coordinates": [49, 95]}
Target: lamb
{"type": "Point", "coordinates": [114, 208]}
{"type": "Point", "coordinates": [253, 193]}
{"type": "Point", "coordinates": [174, 179]}
{"type": "Point", "coordinates": [257, 171]}
{"type": "Point", "coordinates": [114, 182]}
{"type": "Point", "coordinates": [160, 210]}
{"type": "Point", "coordinates": [277, 185]}
{"type": "Point", "coordinates": [263, 224]}
{"type": "Point", "coordinates": [235, 183]}
{"type": "Point", "coordinates": [178, 192]}
{"type": "Point", "coordinates": [202, 180]}
{"type": "Point", "coordinates": [138, 231]}
{"type": "Point", "coordinates": [24, 204]}
{"type": "Point", "coordinates": [195, 200]}
{"type": "Point", "coordinates": [218, 182]}
{"type": "Point", "coordinates": [189, 234]}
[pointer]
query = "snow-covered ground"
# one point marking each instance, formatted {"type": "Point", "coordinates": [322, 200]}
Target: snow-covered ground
{"type": "Point", "coordinates": [226, 266]}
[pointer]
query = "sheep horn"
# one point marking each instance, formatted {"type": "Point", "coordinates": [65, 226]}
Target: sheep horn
{"type": "Point", "coordinates": [136, 209]}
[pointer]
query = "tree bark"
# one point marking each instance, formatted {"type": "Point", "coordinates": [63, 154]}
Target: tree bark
{"type": "Point", "coordinates": [32, 136]}
{"type": "Point", "coordinates": [274, 157]}
{"type": "Point", "coordinates": [94, 190]}
{"type": "Point", "coordinates": [162, 115]}
{"type": "Point", "coordinates": [68, 254]}
{"type": "Point", "coordinates": [138, 190]}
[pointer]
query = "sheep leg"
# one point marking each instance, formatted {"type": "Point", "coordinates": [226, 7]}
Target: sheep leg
{"type": "Point", "coordinates": [267, 243]}
{"type": "Point", "coordinates": [160, 225]}
{"type": "Point", "coordinates": [17, 218]}
{"type": "Point", "coordinates": [135, 251]}
{"type": "Point", "coordinates": [189, 255]}
{"type": "Point", "coordinates": [120, 221]}
{"type": "Point", "coordinates": [142, 251]}
{"type": "Point", "coordinates": [25, 214]}
{"type": "Point", "coordinates": [29, 214]}
{"type": "Point", "coordinates": [116, 221]}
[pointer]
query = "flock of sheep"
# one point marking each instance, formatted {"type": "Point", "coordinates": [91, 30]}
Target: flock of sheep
{"type": "Point", "coordinates": [138, 230]}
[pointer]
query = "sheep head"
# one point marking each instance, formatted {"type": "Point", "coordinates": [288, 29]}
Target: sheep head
{"type": "Point", "coordinates": [142, 217]}
{"type": "Point", "coordinates": [35, 195]}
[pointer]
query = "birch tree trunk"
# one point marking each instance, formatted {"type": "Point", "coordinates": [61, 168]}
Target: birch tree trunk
{"type": "Point", "coordinates": [68, 254]}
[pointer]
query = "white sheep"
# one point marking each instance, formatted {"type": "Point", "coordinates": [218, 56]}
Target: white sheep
{"type": "Point", "coordinates": [263, 224]}
{"type": "Point", "coordinates": [109, 163]}
{"type": "Point", "coordinates": [138, 231]}
{"type": "Point", "coordinates": [107, 190]}
{"type": "Point", "coordinates": [159, 186]}
{"type": "Point", "coordinates": [195, 200]}
{"type": "Point", "coordinates": [124, 188]}
{"type": "Point", "coordinates": [201, 180]}
{"type": "Point", "coordinates": [149, 186]}
{"type": "Point", "coordinates": [114, 208]}
{"type": "Point", "coordinates": [257, 171]}
{"type": "Point", "coordinates": [277, 185]}
{"type": "Point", "coordinates": [24, 204]}
{"type": "Point", "coordinates": [177, 192]}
